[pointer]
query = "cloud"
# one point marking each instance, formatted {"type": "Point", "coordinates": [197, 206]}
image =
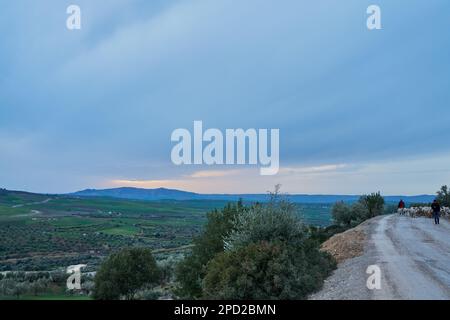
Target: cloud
{"type": "Point", "coordinates": [101, 103]}
{"type": "Point", "coordinates": [216, 173]}
{"type": "Point", "coordinates": [315, 169]}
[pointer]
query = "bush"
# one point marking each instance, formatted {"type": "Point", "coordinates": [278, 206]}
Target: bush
{"type": "Point", "coordinates": [374, 203]}
{"type": "Point", "coordinates": [148, 294]}
{"type": "Point", "coordinates": [274, 221]}
{"type": "Point", "coordinates": [123, 273]}
{"type": "Point", "coordinates": [191, 271]}
{"type": "Point", "coordinates": [268, 256]}
{"type": "Point", "coordinates": [167, 268]}
{"type": "Point", "coordinates": [267, 271]}
{"type": "Point", "coordinates": [348, 216]}
{"type": "Point", "coordinates": [320, 234]}
{"type": "Point", "coordinates": [443, 196]}
{"type": "Point", "coordinates": [368, 206]}
{"type": "Point", "coordinates": [342, 214]}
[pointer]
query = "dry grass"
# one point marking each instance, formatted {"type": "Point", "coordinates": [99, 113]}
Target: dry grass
{"type": "Point", "coordinates": [346, 245]}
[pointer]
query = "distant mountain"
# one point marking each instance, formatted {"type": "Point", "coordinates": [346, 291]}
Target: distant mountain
{"type": "Point", "coordinates": [138, 194]}
{"type": "Point", "coordinates": [173, 194]}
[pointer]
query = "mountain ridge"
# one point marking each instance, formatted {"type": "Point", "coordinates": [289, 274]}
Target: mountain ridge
{"type": "Point", "coordinates": [134, 193]}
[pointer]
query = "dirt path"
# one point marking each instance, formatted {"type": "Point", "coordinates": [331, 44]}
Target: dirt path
{"type": "Point", "coordinates": [31, 203]}
{"type": "Point", "coordinates": [413, 256]}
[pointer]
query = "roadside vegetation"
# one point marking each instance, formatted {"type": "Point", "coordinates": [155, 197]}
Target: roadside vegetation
{"type": "Point", "coordinates": [348, 215]}
{"type": "Point", "coordinates": [41, 285]}
{"type": "Point", "coordinates": [259, 252]}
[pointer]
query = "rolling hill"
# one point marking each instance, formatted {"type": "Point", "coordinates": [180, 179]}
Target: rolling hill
{"type": "Point", "coordinates": [172, 194]}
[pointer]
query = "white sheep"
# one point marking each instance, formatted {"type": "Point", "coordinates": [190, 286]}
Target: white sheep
{"type": "Point", "coordinates": [427, 212]}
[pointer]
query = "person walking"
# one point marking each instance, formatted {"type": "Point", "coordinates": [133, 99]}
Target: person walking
{"type": "Point", "coordinates": [401, 207]}
{"type": "Point", "coordinates": [436, 211]}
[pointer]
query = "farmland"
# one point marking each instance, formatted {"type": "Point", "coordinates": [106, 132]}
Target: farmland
{"type": "Point", "coordinates": [48, 232]}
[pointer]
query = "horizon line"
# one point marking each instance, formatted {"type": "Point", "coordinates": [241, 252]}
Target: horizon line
{"type": "Point", "coordinates": [223, 194]}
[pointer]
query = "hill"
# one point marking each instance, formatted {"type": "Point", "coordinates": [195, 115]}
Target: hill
{"type": "Point", "coordinates": [138, 194]}
{"type": "Point", "coordinates": [173, 194]}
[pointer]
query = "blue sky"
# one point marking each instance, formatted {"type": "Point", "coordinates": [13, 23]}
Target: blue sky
{"type": "Point", "coordinates": [358, 110]}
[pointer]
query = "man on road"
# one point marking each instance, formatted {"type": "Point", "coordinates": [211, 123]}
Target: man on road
{"type": "Point", "coordinates": [401, 207]}
{"type": "Point", "coordinates": [436, 211]}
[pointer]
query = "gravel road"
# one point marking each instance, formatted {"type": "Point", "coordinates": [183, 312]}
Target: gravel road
{"type": "Point", "coordinates": [413, 255]}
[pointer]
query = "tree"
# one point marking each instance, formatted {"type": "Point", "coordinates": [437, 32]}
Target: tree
{"type": "Point", "coordinates": [359, 213]}
{"type": "Point", "coordinates": [348, 216]}
{"type": "Point", "coordinates": [268, 256]}
{"type": "Point", "coordinates": [123, 273]}
{"type": "Point", "coordinates": [374, 203]}
{"type": "Point", "coordinates": [341, 213]}
{"type": "Point", "coordinates": [191, 271]}
{"type": "Point", "coordinates": [443, 196]}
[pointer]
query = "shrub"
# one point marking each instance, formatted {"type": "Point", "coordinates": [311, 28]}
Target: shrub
{"type": "Point", "coordinates": [148, 294]}
{"type": "Point", "coordinates": [190, 272]}
{"type": "Point", "coordinates": [347, 216]}
{"type": "Point", "coordinates": [374, 203]}
{"type": "Point", "coordinates": [268, 256]}
{"type": "Point", "coordinates": [274, 221]}
{"type": "Point", "coordinates": [359, 212]}
{"type": "Point", "coordinates": [123, 273]}
{"type": "Point", "coordinates": [320, 234]}
{"type": "Point", "coordinates": [267, 270]}
{"type": "Point", "coordinates": [342, 214]}
{"type": "Point", "coordinates": [443, 196]}
{"type": "Point", "coordinates": [368, 206]}
{"type": "Point", "coordinates": [167, 268]}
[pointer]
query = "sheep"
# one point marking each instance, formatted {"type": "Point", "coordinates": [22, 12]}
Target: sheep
{"type": "Point", "coordinates": [427, 212]}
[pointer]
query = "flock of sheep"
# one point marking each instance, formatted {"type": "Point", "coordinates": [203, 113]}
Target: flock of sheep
{"type": "Point", "coordinates": [427, 212]}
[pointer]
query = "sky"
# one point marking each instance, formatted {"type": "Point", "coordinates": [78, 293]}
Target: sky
{"type": "Point", "coordinates": [358, 110]}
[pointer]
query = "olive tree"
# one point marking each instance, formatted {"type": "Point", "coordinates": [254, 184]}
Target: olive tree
{"type": "Point", "coordinates": [123, 273]}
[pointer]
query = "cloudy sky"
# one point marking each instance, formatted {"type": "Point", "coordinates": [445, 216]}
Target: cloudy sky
{"type": "Point", "coordinates": [358, 110]}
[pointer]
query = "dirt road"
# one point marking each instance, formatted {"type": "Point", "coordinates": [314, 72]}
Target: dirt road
{"type": "Point", "coordinates": [31, 203]}
{"type": "Point", "coordinates": [413, 255]}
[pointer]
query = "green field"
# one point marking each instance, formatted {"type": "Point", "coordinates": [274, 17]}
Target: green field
{"type": "Point", "coordinates": [45, 232]}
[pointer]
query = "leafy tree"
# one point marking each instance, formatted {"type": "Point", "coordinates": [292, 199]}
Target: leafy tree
{"type": "Point", "coordinates": [190, 272]}
{"type": "Point", "coordinates": [342, 214]}
{"type": "Point", "coordinates": [347, 216]}
{"type": "Point", "coordinates": [374, 203]}
{"type": "Point", "coordinates": [268, 256]}
{"type": "Point", "coordinates": [443, 196]}
{"type": "Point", "coordinates": [123, 273]}
{"type": "Point", "coordinates": [368, 206]}
{"type": "Point", "coordinates": [359, 212]}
